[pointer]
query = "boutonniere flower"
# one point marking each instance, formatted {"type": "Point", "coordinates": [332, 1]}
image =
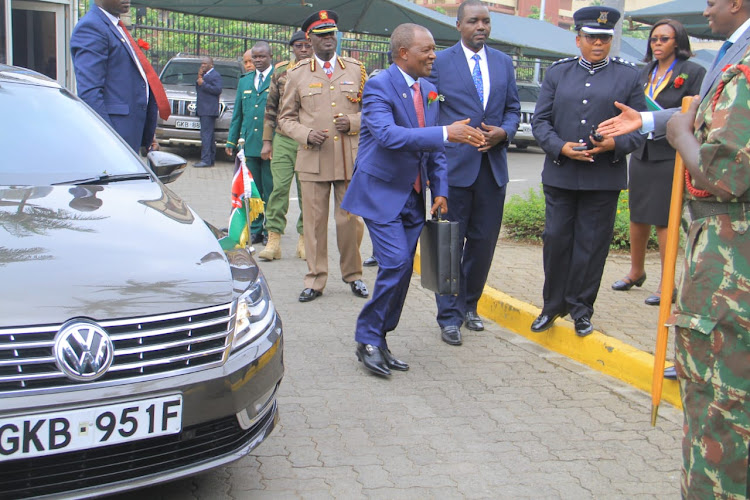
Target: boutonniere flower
{"type": "Point", "coordinates": [680, 80]}
{"type": "Point", "coordinates": [434, 96]}
{"type": "Point", "coordinates": [143, 44]}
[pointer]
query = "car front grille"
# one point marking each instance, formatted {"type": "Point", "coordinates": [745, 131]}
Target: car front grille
{"type": "Point", "coordinates": [526, 117]}
{"type": "Point", "coordinates": [142, 346]}
{"type": "Point", "coordinates": [182, 107]}
{"type": "Point", "coordinates": [93, 468]}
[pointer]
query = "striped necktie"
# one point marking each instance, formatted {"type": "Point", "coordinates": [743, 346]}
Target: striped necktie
{"type": "Point", "coordinates": [476, 75]}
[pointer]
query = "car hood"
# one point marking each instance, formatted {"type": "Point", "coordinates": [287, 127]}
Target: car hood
{"type": "Point", "coordinates": [187, 92]}
{"type": "Point", "coordinates": [105, 252]}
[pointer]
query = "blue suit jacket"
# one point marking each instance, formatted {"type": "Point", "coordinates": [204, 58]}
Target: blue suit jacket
{"type": "Point", "coordinates": [207, 100]}
{"type": "Point", "coordinates": [109, 81]}
{"type": "Point", "coordinates": [393, 148]}
{"type": "Point", "coordinates": [452, 77]}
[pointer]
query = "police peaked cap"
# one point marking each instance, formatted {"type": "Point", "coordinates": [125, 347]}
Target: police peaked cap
{"type": "Point", "coordinates": [596, 20]}
{"type": "Point", "coordinates": [323, 21]}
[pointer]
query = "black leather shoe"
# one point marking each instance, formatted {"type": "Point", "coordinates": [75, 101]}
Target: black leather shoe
{"type": "Point", "coordinates": [544, 322]}
{"type": "Point", "coordinates": [256, 238]}
{"type": "Point", "coordinates": [655, 299]}
{"type": "Point", "coordinates": [670, 372]}
{"type": "Point", "coordinates": [583, 326]}
{"type": "Point", "coordinates": [201, 164]}
{"type": "Point", "coordinates": [308, 295]}
{"type": "Point", "coordinates": [626, 283]}
{"type": "Point", "coordinates": [451, 334]}
{"type": "Point", "coordinates": [372, 358]}
{"type": "Point", "coordinates": [393, 363]}
{"type": "Point", "coordinates": [359, 288]}
{"type": "Point", "coordinates": [370, 261]}
{"type": "Point", "coordinates": [473, 321]}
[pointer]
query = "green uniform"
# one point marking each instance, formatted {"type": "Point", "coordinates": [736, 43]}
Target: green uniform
{"type": "Point", "coordinates": [247, 122]}
{"type": "Point", "coordinates": [284, 157]}
{"type": "Point", "coordinates": [713, 308]}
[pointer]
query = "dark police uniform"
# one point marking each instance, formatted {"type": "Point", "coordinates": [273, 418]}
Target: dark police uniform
{"type": "Point", "coordinates": [581, 197]}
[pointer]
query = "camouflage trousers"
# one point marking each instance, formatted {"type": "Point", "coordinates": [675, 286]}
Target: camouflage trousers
{"type": "Point", "coordinates": [712, 349]}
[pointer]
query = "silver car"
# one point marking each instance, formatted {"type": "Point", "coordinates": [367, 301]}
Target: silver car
{"type": "Point", "coordinates": [528, 93]}
{"type": "Point", "coordinates": [178, 77]}
{"type": "Point", "coordinates": [133, 349]}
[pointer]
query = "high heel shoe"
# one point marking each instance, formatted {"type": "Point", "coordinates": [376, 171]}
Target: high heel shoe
{"type": "Point", "coordinates": [626, 283]}
{"type": "Point", "coordinates": [655, 298]}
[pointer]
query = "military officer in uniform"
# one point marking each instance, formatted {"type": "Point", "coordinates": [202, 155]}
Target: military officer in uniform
{"type": "Point", "coordinates": [582, 176]}
{"type": "Point", "coordinates": [247, 122]}
{"type": "Point", "coordinates": [282, 151]}
{"type": "Point", "coordinates": [321, 111]}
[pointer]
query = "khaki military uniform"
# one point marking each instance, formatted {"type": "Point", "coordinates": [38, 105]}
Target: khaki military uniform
{"type": "Point", "coordinates": [311, 101]}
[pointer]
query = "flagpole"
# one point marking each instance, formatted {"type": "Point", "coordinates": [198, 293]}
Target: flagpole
{"type": "Point", "coordinates": [245, 201]}
{"type": "Point", "coordinates": [667, 277]}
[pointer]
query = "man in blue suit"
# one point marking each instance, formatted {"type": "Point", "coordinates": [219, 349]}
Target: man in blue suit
{"type": "Point", "coordinates": [400, 149]}
{"type": "Point", "coordinates": [114, 77]}
{"type": "Point", "coordinates": [208, 89]}
{"type": "Point", "coordinates": [478, 82]}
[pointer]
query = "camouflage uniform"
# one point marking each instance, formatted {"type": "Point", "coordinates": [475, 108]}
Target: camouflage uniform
{"type": "Point", "coordinates": [713, 309]}
{"type": "Point", "coordinates": [284, 156]}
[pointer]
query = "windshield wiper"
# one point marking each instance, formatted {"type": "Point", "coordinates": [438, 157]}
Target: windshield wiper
{"type": "Point", "coordinates": [107, 178]}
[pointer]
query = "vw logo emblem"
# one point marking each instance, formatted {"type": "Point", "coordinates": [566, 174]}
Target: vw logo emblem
{"type": "Point", "coordinates": [192, 106]}
{"type": "Point", "coordinates": [83, 350]}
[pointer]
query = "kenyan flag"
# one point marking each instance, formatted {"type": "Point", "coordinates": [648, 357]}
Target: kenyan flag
{"type": "Point", "coordinates": [246, 204]}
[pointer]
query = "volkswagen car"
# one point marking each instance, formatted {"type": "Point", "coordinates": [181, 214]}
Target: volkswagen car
{"type": "Point", "coordinates": [178, 77]}
{"type": "Point", "coordinates": [133, 349]}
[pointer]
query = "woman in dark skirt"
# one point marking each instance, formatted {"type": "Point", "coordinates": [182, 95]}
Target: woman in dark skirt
{"type": "Point", "coordinates": [667, 78]}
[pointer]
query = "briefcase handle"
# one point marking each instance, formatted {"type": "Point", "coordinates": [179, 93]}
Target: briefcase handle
{"type": "Point", "coordinates": [437, 218]}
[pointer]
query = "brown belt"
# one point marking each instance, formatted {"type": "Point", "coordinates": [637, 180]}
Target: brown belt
{"type": "Point", "coordinates": [703, 209]}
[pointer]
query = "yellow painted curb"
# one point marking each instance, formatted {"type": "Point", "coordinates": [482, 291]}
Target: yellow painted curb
{"type": "Point", "coordinates": [598, 351]}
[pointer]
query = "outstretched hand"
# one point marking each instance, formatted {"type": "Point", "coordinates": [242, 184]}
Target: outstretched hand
{"type": "Point", "coordinates": [624, 123]}
{"type": "Point", "coordinates": [460, 131]}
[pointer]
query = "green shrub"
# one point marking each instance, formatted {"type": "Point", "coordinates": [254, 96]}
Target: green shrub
{"type": "Point", "coordinates": [523, 219]}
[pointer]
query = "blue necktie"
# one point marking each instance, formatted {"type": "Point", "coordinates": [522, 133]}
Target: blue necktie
{"type": "Point", "coordinates": [476, 74]}
{"type": "Point", "coordinates": [722, 52]}
{"type": "Point", "coordinates": [260, 81]}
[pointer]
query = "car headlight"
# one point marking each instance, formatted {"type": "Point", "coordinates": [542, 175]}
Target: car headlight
{"type": "Point", "coordinates": [254, 312]}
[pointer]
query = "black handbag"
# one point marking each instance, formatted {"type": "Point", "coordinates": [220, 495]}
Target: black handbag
{"type": "Point", "coordinates": [440, 256]}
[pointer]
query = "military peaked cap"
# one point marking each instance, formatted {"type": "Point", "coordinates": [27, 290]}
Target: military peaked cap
{"type": "Point", "coordinates": [596, 20]}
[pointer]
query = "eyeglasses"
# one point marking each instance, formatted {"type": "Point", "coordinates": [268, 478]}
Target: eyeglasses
{"type": "Point", "coordinates": [593, 38]}
{"type": "Point", "coordinates": [662, 39]}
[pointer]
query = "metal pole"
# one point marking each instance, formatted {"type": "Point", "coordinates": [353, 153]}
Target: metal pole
{"type": "Point", "coordinates": [537, 63]}
{"type": "Point", "coordinates": [617, 40]}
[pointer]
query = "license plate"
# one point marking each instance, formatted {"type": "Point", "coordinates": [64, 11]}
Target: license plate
{"type": "Point", "coordinates": [187, 124]}
{"type": "Point", "coordinates": [79, 429]}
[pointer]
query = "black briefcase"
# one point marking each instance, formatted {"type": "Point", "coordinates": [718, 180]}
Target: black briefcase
{"type": "Point", "coordinates": [440, 256]}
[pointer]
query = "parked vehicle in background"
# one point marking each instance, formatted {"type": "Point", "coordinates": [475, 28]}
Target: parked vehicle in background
{"type": "Point", "coordinates": [133, 349]}
{"type": "Point", "coordinates": [178, 77]}
{"type": "Point", "coordinates": [528, 93]}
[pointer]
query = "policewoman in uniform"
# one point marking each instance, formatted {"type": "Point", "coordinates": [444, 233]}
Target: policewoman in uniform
{"type": "Point", "coordinates": [320, 110]}
{"type": "Point", "coordinates": [582, 177]}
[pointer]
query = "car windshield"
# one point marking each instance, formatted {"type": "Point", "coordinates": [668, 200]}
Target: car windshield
{"type": "Point", "coordinates": [186, 72]}
{"type": "Point", "coordinates": [48, 136]}
{"type": "Point", "coordinates": [528, 93]}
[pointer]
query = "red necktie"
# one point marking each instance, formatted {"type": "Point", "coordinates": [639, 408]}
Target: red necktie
{"type": "Point", "coordinates": [328, 69]}
{"type": "Point", "coordinates": [153, 79]}
{"type": "Point", "coordinates": [419, 107]}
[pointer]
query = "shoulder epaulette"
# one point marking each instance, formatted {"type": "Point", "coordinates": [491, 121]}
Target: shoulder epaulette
{"type": "Point", "coordinates": [280, 64]}
{"type": "Point", "coordinates": [624, 62]}
{"type": "Point", "coordinates": [303, 62]}
{"type": "Point", "coordinates": [351, 60]}
{"type": "Point", "coordinates": [564, 60]}
{"type": "Point", "coordinates": [248, 73]}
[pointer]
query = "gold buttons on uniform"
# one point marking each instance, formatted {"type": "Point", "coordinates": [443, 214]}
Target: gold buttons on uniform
{"type": "Point", "coordinates": [335, 138]}
{"type": "Point", "coordinates": [333, 104]}
{"type": "Point", "coordinates": [332, 87]}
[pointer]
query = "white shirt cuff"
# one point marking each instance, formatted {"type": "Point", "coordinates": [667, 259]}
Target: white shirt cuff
{"type": "Point", "coordinates": [647, 118]}
{"type": "Point", "coordinates": [445, 134]}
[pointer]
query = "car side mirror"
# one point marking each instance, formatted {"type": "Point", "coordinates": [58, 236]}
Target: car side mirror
{"type": "Point", "coordinates": [167, 166]}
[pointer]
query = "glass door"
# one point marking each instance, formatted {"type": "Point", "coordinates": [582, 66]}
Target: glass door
{"type": "Point", "coordinates": [38, 31]}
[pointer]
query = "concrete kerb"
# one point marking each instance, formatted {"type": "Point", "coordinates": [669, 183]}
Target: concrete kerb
{"type": "Point", "coordinates": [597, 350]}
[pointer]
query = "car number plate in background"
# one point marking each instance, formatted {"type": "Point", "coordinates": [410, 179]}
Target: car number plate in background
{"type": "Point", "coordinates": [78, 429]}
{"type": "Point", "coordinates": [187, 124]}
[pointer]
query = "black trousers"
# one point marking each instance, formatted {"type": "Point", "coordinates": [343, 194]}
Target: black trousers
{"type": "Point", "coordinates": [577, 234]}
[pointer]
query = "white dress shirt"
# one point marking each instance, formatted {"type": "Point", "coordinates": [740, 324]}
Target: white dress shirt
{"type": "Point", "coordinates": [483, 67]}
